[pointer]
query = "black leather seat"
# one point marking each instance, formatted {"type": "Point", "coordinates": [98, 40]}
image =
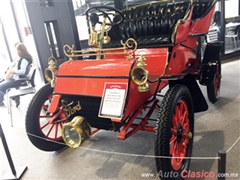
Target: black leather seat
{"type": "Point", "coordinates": [201, 8]}
{"type": "Point", "coordinates": [151, 25]}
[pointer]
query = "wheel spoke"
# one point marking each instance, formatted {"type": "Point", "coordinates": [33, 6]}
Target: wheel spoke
{"type": "Point", "coordinates": [174, 131]}
{"type": "Point", "coordinates": [45, 116]}
{"type": "Point", "coordinates": [173, 148]}
{"type": "Point", "coordinates": [182, 109]}
{"type": "Point", "coordinates": [56, 132]}
{"type": "Point", "coordinates": [173, 139]}
{"type": "Point", "coordinates": [184, 115]}
{"type": "Point", "coordinates": [174, 121]}
{"type": "Point", "coordinates": [179, 154]}
{"type": "Point", "coordinates": [45, 125]}
{"type": "Point", "coordinates": [50, 130]}
{"type": "Point", "coordinates": [45, 106]}
{"type": "Point", "coordinates": [185, 142]}
{"type": "Point", "coordinates": [178, 114]}
{"type": "Point", "coordinates": [185, 127]}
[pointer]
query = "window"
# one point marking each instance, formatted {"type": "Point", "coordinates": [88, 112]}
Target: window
{"type": "Point", "coordinates": [231, 8]}
{"type": "Point", "coordinates": [46, 3]}
{"type": "Point", "coordinates": [53, 36]}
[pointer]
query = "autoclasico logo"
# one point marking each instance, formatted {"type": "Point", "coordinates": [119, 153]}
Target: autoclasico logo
{"type": "Point", "coordinates": [187, 174]}
{"type": "Point", "coordinates": [171, 174]}
{"type": "Point", "coordinates": [197, 174]}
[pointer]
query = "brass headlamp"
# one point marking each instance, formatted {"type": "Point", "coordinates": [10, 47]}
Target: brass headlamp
{"type": "Point", "coordinates": [93, 38]}
{"type": "Point", "coordinates": [140, 75]}
{"type": "Point", "coordinates": [76, 131]}
{"type": "Point", "coordinates": [51, 71]}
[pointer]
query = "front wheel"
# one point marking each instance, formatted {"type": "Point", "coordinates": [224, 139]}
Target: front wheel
{"type": "Point", "coordinates": [174, 133]}
{"type": "Point", "coordinates": [44, 129]}
{"type": "Point", "coordinates": [213, 89]}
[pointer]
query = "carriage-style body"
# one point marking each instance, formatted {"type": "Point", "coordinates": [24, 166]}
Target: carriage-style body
{"type": "Point", "coordinates": [154, 46]}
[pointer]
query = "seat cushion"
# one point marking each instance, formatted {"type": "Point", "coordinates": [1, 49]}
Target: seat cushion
{"type": "Point", "coordinates": [150, 24]}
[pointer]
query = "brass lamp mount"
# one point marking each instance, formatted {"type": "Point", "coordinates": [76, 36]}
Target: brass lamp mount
{"type": "Point", "coordinates": [141, 62]}
{"type": "Point", "coordinates": [93, 40]}
{"type": "Point", "coordinates": [140, 75]}
{"type": "Point", "coordinates": [51, 71]}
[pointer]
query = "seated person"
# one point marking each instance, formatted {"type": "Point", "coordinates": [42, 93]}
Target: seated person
{"type": "Point", "coordinates": [17, 69]}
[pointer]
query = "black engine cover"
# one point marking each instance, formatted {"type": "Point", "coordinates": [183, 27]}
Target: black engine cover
{"type": "Point", "coordinates": [88, 107]}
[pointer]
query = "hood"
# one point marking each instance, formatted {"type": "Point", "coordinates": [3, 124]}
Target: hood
{"type": "Point", "coordinates": [93, 68]}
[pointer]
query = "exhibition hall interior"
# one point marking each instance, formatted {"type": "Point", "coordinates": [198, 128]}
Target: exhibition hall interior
{"type": "Point", "coordinates": [120, 89]}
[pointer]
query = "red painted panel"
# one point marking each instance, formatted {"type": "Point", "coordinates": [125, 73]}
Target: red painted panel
{"type": "Point", "coordinates": [136, 99]}
{"type": "Point", "coordinates": [83, 86]}
{"type": "Point", "coordinates": [183, 29]}
{"type": "Point", "coordinates": [202, 25]}
{"type": "Point", "coordinates": [156, 60]}
{"type": "Point", "coordinates": [181, 55]}
{"type": "Point", "coordinates": [110, 67]}
{"type": "Point", "coordinates": [54, 103]}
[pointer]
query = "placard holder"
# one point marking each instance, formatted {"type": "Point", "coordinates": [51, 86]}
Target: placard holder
{"type": "Point", "coordinates": [13, 173]}
{"type": "Point", "coordinates": [113, 100]}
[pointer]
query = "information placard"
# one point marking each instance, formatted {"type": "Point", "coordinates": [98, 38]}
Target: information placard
{"type": "Point", "coordinates": [113, 100]}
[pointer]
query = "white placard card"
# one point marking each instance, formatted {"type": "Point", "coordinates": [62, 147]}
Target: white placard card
{"type": "Point", "coordinates": [113, 100]}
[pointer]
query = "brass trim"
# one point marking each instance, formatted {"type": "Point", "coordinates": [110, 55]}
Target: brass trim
{"type": "Point", "coordinates": [181, 21]}
{"type": "Point", "coordinates": [166, 65]}
{"type": "Point", "coordinates": [150, 3]}
{"type": "Point", "coordinates": [188, 135]}
{"type": "Point", "coordinates": [69, 109]}
{"type": "Point", "coordinates": [51, 71]}
{"type": "Point", "coordinates": [93, 38]}
{"type": "Point", "coordinates": [81, 126]}
{"type": "Point", "coordinates": [130, 44]}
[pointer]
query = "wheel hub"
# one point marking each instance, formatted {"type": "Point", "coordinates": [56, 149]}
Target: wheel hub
{"type": "Point", "coordinates": [179, 133]}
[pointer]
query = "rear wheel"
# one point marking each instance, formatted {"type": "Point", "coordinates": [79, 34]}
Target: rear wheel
{"type": "Point", "coordinates": [174, 133]}
{"type": "Point", "coordinates": [43, 133]}
{"type": "Point", "coordinates": [213, 89]}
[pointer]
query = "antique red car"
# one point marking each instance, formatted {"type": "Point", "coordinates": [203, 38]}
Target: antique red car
{"type": "Point", "coordinates": [136, 53]}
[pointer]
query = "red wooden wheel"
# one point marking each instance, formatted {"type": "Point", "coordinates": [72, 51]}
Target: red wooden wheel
{"type": "Point", "coordinates": [179, 140]}
{"type": "Point", "coordinates": [51, 124]}
{"type": "Point", "coordinates": [174, 132]}
{"type": "Point", "coordinates": [213, 89]}
{"type": "Point", "coordinates": [44, 129]}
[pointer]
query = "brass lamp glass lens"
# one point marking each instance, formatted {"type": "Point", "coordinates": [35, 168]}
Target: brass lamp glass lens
{"type": "Point", "coordinates": [139, 75]}
{"type": "Point", "coordinates": [72, 136]}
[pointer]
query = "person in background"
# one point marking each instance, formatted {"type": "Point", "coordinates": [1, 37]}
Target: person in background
{"type": "Point", "coordinates": [216, 22]}
{"type": "Point", "coordinates": [16, 70]}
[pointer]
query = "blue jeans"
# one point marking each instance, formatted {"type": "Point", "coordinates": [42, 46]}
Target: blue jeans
{"type": "Point", "coordinates": [6, 84]}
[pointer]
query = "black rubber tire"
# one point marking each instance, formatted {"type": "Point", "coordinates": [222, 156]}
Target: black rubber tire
{"type": "Point", "coordinates": [163, 132]}
{"type": "Point", "coordinates": [212, 95]}
{"type": "Point", "coordinates": [32, 121]}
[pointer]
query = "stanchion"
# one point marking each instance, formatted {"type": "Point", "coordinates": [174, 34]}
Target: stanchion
{"type": "Point", "coordinates": [221, 165]}
{"type": "Point", "coordinates": [15, 173]}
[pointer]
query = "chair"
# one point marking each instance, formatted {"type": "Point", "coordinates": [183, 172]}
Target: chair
{"type": "Point", "coordinates": [27, 87]}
